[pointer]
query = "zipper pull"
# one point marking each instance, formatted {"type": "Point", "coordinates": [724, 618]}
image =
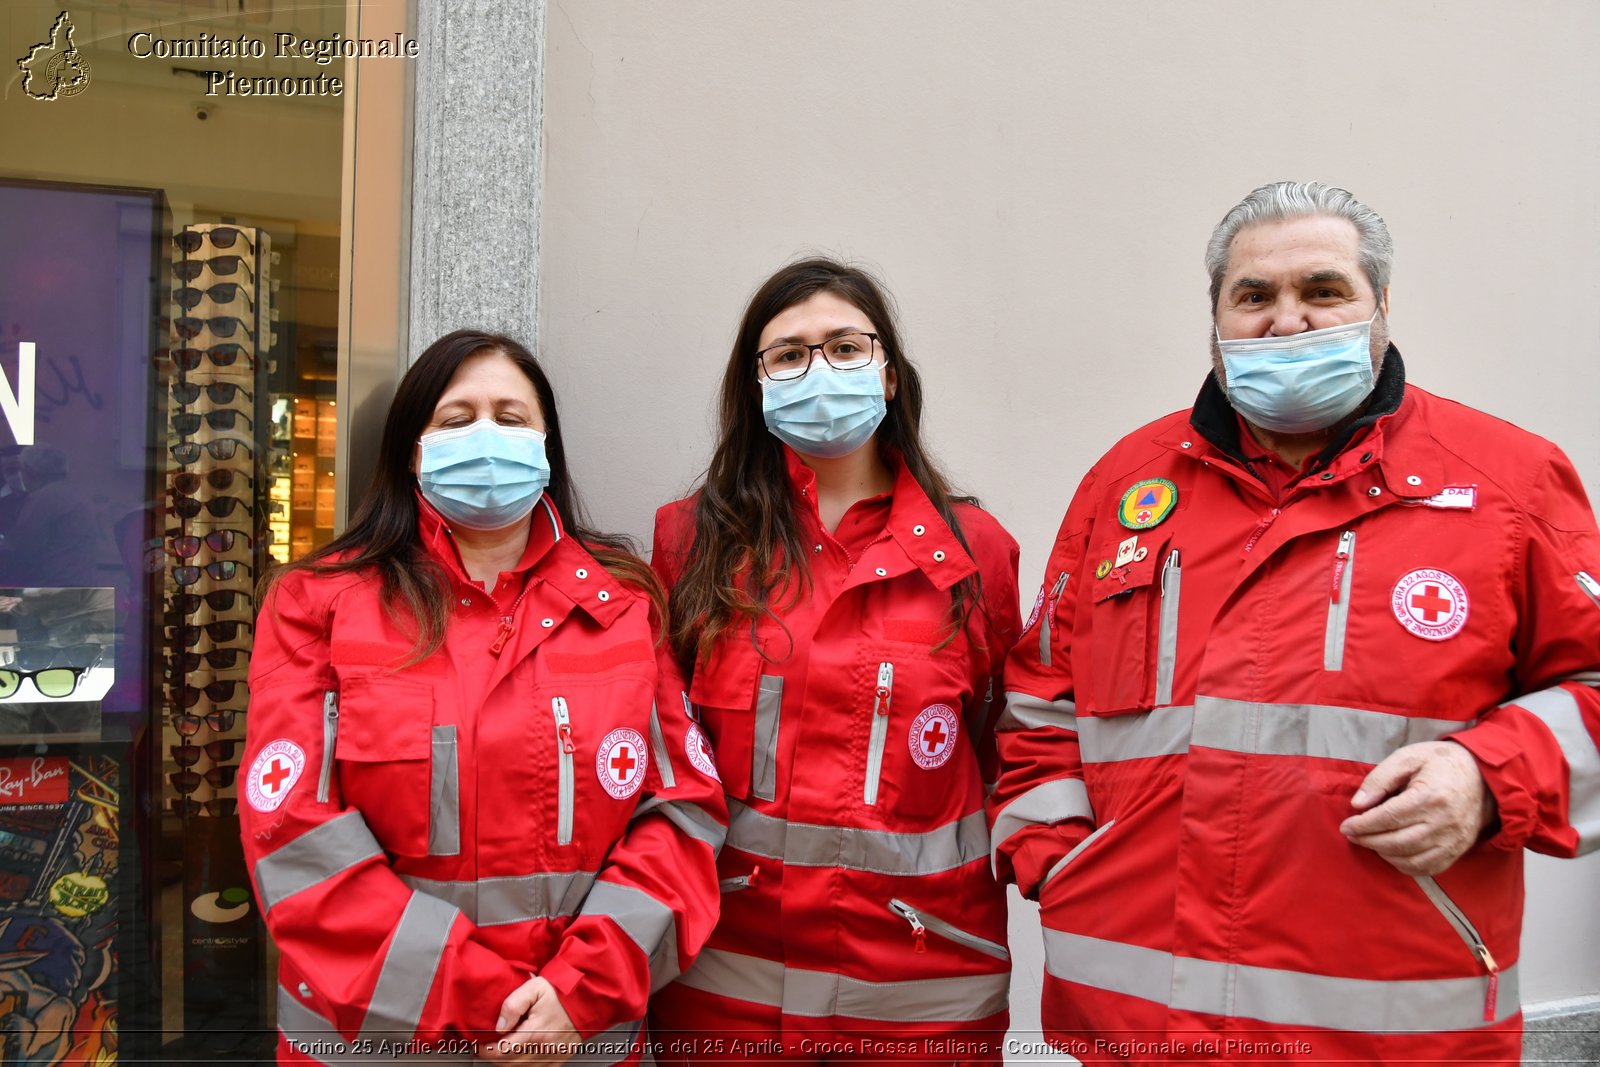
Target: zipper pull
{"type": "Point", "coordinates": [1166, 569]}
{"type": "Point", "coordinates": [885, 689]}
{"type": "Point", "coordinates": [330, 705]}
{"type": "Point", "coordinates": [1491, 995]}
{"type": "Point", "coordinates": [905, 912]}
{"type": "Point", "coordinates": [1340, 560]}
{"type": "Point", "coordinates": [505, 632]}
{"type": "Point", "coordinates": [563, 724]}
{"type": "Point", "coordinates": [1261, 528]}
{"type": "Point", "coordinates": [755, 872]}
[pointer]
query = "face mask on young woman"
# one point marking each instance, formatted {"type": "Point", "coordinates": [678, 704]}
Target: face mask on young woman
{"type": "Point", "coordinates": [484, 476]}
{"type": "Point", "coordinates": [828, 413]}
{"type": "Point", "coordinates": [1300, 383]}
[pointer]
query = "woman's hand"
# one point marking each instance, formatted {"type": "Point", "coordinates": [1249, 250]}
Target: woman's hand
{"type": "Point", "coordinates": [543, 1037]}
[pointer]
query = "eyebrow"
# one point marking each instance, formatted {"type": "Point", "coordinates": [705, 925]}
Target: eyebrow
{"type": "Point", "coordinates": [830, 335]}
{"type": "Point", "coordinates": [1247, 283]}
{"type": "Point", "coordinates": [1328, 275]}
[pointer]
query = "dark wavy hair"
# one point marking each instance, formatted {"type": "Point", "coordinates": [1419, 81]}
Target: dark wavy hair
{"type": "Point", "coordinates": [746, 546]}
{"type": "Point", "coordinates": [383, 535]}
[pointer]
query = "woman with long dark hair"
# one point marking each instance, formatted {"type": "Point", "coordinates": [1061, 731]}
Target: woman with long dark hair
{"type": "Point", "coordinates": [474, 805]}
{"type": "Point", "coordinates": [843, 617]}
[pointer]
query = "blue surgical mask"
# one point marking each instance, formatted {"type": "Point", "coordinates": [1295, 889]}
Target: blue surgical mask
{"type": "Point", "coordinates": [828, 413]}
{"type": "Point", "coordinates": [1301, 383]}
{"type": "Point", "coordinates": [484, 476]}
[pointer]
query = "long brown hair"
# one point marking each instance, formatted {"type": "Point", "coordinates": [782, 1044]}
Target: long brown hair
{"type": "Point", "coordinates": [383, 534]}
{"type": "Point", "coordinates": [746, 546]}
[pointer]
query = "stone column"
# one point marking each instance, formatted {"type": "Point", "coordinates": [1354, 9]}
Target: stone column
{"type": "Point", "coordinates": [477, 168]}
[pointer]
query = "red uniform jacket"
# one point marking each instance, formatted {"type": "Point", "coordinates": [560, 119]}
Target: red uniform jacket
{"type": "Point", "coordinates": [854, 751]}
{"type": "Point", "coordinates": [1209, 681]}
{"type": "Point", "coordinates": [424, 838]}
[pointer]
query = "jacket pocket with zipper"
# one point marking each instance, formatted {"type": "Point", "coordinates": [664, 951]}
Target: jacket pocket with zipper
{"type": "Point", "coordinates": [878, 731]}
{"type": "Point", "coordinates": [923, 923]}
{"type": "Point", "coordinates": [1077, 850]}
{"type": "Point", "coordinates": [565, 786]}
{"type": "Point", "coordinates": [1471, 938]}
{"type": "Point", "coordinates": [1133, 619]}
{"type": "Point", "coordinates": [1344, 568]}
{"type": "Point", "coordinates": [1167, 628]}
{"type": "Point", "coordinates": [1047, 614]}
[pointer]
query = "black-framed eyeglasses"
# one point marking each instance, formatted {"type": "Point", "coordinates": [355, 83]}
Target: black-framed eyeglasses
{"type": "Point", "coordinates": [223, 570]}
{"type": "Point", "coordinates": [218, 659]}
{"type": "Point", "coordinates": [53, 682]}
{"type": "Point", "coordinates": [219, 507]}
{"type": "Point", "coordinates": [190, 482]}
{"type": "Point", "coordinates": [792, 359]}
{"type": "Point", "coordinates": [221, 293]}
{"type": "Point", "coordinates": [38, 657]}
{"type": "Point", "coordinates": [189, 634]}
{"type": "Point", "coordinates": [223, 355]}
{"type": "Point", "coordinates": [188, 755]}
{"type": "Point", "coordinates": [190, 326]}
{"type": "Point", "coordinates": [216, 392]}
{"type": "Point", "coordinates": [216, 692]}
{"type": "Point", "coordinates": [188, 806]}
{"type": "Point", "coordinates": [187, 782]}
{"type": "Point", "coordinates": [216, 600]}
{"type": "Point", "coordinates": [219, 236]}
{"type": "Point", "coordinates": [218, 721]}
{"type": "Point", "coordinates": [223, 448]}
{"type": "Point", "coordinates": [220, 419]}
{"type": "Point", "coordinates": [222, 266]}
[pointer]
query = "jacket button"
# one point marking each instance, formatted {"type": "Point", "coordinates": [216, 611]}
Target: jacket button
{"type": "Point", "coordinates": [1187, 444]}
{"type": "Point", "coordinates": [1366, 457]}
{"type": "Point", "coordinates": [880, 572]}
{"type": "Point", "coordinates": [1412, 479]}
{"type": "Point", "coordinates": [938, 557]}
{"type": "Point", "coordinates": [547, 623]}
{"type": "Point", "coordinates": [305, 990]}
{"type": "Point", "coordinates": [817, 547]}
{"type": "Point", "coordinates": [603, 595]}
{"type": "Point", "coordinates": [582, 573]}
{"type": "Point", "coordinates": [1327, 476]}
{"type": "Point", "coordinates": [919, 529]}
{"type": "Point", "coordinates": [1374, 491]}
{"type": "Point", "coordinates": [466, 602]}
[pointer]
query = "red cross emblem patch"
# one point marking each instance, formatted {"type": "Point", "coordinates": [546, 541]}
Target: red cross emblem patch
{"type": "Point", "coordinates": [933, 736]}
{"type": "Point", "coordinates": [275, 770]}
{"type": "Point", "coordinates": [1430, 603]}
{"type": "Point", "coordinates": [620, 762]}
{"type": "Point", "coordinates": [698, 747]}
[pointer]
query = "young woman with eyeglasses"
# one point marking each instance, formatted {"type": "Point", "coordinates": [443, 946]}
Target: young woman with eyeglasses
{"type": "Point", "coordinates": [467, 755]}
{"type": "Point", "coordinates": [843, 617]}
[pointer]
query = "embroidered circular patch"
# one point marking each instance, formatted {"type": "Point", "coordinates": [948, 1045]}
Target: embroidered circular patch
{"type": "Point", "coordinates": [698, 746]}
{"type": "Point", "coordinates": [933, 736]}
{"type": "Point", "coordinates": [1147, 503]}
{"type": "Point", "coordinates": [620, 762]}
{"type": "Point", "coordinates": [275, 770]}
{"type": "Point", "coordinates": [1103, 569]}
{"type": "Point", "coordinates": [1430, 603]}
{"type": "Point", "coordinates": [1038, 605]}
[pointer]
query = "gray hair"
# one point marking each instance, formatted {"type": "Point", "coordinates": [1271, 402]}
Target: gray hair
{"type": "Point", "coordinates": [1290, 200]}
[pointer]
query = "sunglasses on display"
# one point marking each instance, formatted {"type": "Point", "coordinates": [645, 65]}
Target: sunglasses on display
{"type": "Point", "coordinates": [188, 634]}
{"type": "Point", "coordinates": [223, 448]}
{"type": "Point", "coordinates": [53, 682]}
{"type": "Point", "coordinates": [216, 600]}
{"type": "Point", "coordinates": [219, 659]}
{"type": "Point", "coordinates": [219, 507]}
{"type": "Point", "coordinates": [215, 751]}
{"type": "Point", "coordinates": [218, 722]}
{"type": "Point", "coordinates": [219, 236]}
{"type": "Point", "coordinates": [189, 296]}
{"type": "Point", "coordinates": [40, 657]}
{"type": "Point", "coordinates": [187, 782]}
{"type": "Point", "coordinates": [223, 570]}
{"type": "Point", "coordinates": [223, 355]}
{"type": "Point", "coordinates": [221, 419]}
{"type": "Point", "coordinates": [189, 327]}
{"type": "Point", "coordinates": [188, 806]}
{"type": "Point", "coordinates": [190, 483]}
{"type": "Point", "coordinates": [190, 269]}
{"type": "Point", "coordinates": [217, 540]}
{"type": "Point", "coordinates": [217, 692]}
{"type": "Point", "coordinates": [216, 392]}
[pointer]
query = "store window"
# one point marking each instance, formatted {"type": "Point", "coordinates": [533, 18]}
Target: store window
{"type": "Point", "coordinates": [178, 304]}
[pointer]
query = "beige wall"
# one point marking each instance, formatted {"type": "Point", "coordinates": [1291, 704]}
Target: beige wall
{"type": "Point", "coordinates": [1036, 181]}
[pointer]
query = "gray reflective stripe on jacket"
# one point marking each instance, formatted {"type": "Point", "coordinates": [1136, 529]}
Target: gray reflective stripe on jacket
{"type": "Point", "coordinates": [444, 796]}
{"type": "Point", "coordinates": [1317, 730]}
{"type": "Point", "coordinates": [821, 994]}
{"type": "Point", "coordinates": [798, 844]}
{"type": "Point", "coordinates": [1278, 997]}
{"type": "Point", "coordinates": [1024, 711]}
{"type": "Point", "coordinates": [1044, 805]}
{"type": "Point", "coordinates": [316, 856]}
{"type": "Point", "coordinates": [690, 818]}
{"type": "Point", "coordinates": [410, 966]}
{"type": "Point", "coordinates": [318, 1040]}
{"type": "Point", "coordinates": [1558, 710]}
{"type": "Point", "coordinates": [511, 898]}
{"type": "Point", "coordinates": [648, 923]}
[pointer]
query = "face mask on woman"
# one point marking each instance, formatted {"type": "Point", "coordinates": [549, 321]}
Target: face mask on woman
{"type": "Point", "coordinates": [484, 476]}
{"type": "Point", "coordinates": [828, 413]}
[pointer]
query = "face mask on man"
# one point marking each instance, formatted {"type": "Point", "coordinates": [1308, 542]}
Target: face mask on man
{"type": "Point", "coordinates": [1301, 383]}
{"type": "Point", "coordinates": [484, 476]}
{"type": "Point", "coordinates": [828, 413]}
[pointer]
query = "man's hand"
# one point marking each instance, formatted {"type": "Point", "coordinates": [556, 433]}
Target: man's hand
{"type": "Point", "coordinates": [1422, 807]}
{"type": "Point", "coordinates": [544, 1037]}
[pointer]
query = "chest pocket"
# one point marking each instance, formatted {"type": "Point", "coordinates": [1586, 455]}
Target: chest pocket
{"type": "Point", "coordinates": [1133, 625]}
{"type": "Point", "coordinates": [384, 750]}
{"type": "Point", "coordinates": [741, 712]}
